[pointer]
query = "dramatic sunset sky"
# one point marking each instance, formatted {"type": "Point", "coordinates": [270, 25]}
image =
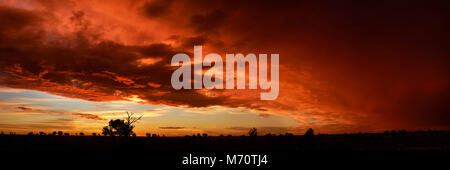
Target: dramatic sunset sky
{"type": "Point", "coordinates": [345, 66]}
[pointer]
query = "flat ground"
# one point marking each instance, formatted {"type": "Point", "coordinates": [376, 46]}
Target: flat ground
{"type": "Point", "coordinates": [281, 151]}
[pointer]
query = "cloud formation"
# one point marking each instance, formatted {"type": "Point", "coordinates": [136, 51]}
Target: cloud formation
{"type": "Point", "coordinates": [89, 116]}
{"type": "Point", "coordinates": [367, 65]}
{"type": "Point", "coordinates": [171, 127]}
{"type": "Point", "coordinates": [52, 112]}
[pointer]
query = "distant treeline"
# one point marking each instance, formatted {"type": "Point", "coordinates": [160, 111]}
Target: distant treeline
{"type": "Point", "coordinates": [252, 132]}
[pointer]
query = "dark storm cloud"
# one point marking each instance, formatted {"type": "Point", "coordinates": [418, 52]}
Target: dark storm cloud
{"type": "Point", "coordinates": [13, 19]}
{"type": "Point", "coordinates": [393, 65]}
{"type": "Point", "coordinates": [191, 41]}
{"type": "Point", "coordinates": [380, 63]}
{"type": "Point", "coordinates": [157, 50]}
{"type": "Point", "coordinates": [207, 23]}
{"type": "Point", "coordinates": [386, 60]}
{"type": "Point", "coordinates": [156, 8]}
{"type": "Point", "coordinates": [77, 67]}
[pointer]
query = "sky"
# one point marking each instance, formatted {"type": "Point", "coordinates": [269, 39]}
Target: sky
{"type": "Point", "coordinates": [345, 66]}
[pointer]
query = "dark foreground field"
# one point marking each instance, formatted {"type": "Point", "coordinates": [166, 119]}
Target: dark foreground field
{"type": "Point", "coordinates": [419, 147]}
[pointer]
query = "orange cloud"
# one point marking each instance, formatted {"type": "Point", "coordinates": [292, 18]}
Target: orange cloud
{"type": "Point", "coordinates": [89, 116]}
{"type": "Point", "coordinates": [340, 68]}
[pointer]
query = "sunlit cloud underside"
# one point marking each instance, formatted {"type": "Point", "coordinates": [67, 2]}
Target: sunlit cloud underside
{"type": "Point", "coordinates": [24, 111]}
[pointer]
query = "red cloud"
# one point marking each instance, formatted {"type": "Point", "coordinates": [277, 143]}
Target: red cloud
{"type": "Point", "coordinates": [345, 65]}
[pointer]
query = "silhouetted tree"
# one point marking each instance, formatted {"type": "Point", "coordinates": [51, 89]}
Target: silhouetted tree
{"type": "Point", "coordinates": [42, 133]}
{"type": "Point", "coordinates": [253, 132]}
{"type": "Point", "coordinates": [148, 135]}
{"type": "Point", "coordinates": [205, 135]}
{"type": "Point", "coordinates": [94, 134]}
{"type": "Point", "coordinates": [109, 130]}
{"type": "Point", "coordinates": [309, 133]}
{"type": "Point", "coordinates": [60, 133]}
{"type": "Point", "coordinates": [81, 134]}
{"type": "Point", "coordinates": [130, 120]}
{"type": "Point", "coordinates": [121, 127]}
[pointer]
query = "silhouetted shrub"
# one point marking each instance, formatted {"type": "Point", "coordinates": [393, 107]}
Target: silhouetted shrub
{"type": "Point", "coordinates": [148, 135]}
{"type": "Point", "coordinates": [205, 135]}
{"type": "Point", "coordinates": [60, 133]}
{"type": "Point", "coordinates": [121, 127]}
{"type": "Point", "coordinates": [81, 134]}
{"type": "Point", "coordinates": [309, 133]}
{"type": "Point", "coordinates": [289, 135]}
{"type": "Point", "coordinates": [253, 132]}
{"type": "Point", "coordinates": [42, 133]}
{"type": "Point", "coordinates": [30, 133]}
{"type": "Point", "coordinates": [94, 134]}
{"type": "Point", "coordinates": [66, 134]}
{"type": "Point", "coordinates": [107, 130]}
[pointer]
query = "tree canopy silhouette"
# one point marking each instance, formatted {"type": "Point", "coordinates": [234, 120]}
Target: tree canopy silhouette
{"type": "Point", "coordinates": [121, 127]}
{"type": "Point", "coordinates": [309, 133]}
{"type": "Point", "coordinates": [253, 132]}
